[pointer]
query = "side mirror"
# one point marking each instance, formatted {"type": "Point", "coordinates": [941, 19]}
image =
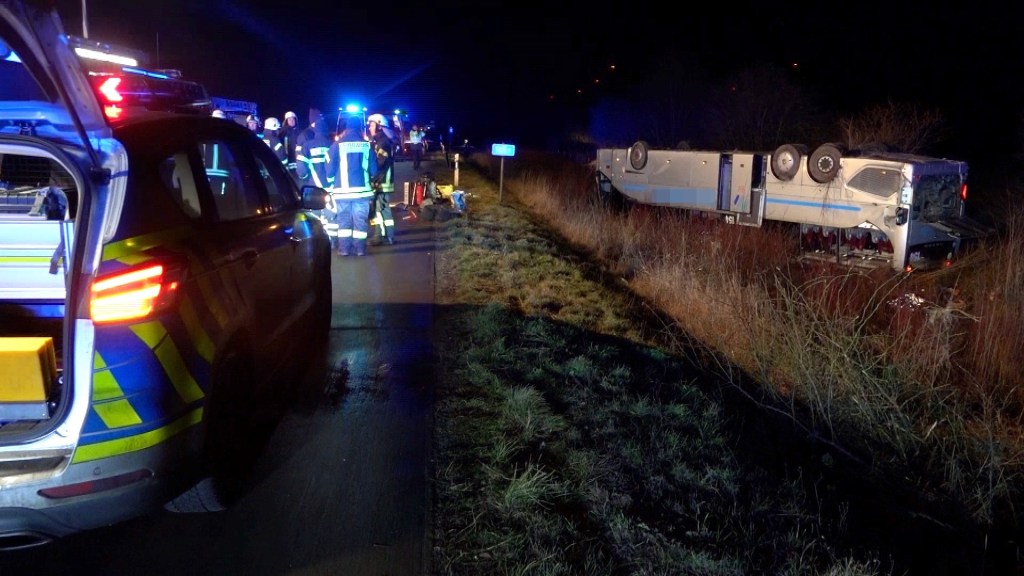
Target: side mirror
{"type": "Point", "coordinates": [902, 215]}
{"type": "Point", "coordinates": [314, 197]}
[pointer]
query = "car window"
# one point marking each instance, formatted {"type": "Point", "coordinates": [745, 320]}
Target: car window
{"type": "Point", "coordinates": [234, 197]}
{"type": "Point", "coordinates": [279, 191]}
{"type": "Point", "coordinates": [177, 177]}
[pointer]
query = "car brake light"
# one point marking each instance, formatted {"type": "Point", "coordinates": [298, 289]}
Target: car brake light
{"type": "Point", "coordinates": [963, 192]}
{"type": "Point", "coordinates": [134, 293]}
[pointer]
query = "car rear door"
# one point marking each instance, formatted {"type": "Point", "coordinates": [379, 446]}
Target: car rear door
{"type": "Point", "coordinates": [49, 113]}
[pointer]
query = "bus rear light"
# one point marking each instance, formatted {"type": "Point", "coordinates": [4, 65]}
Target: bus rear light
{"type": "Point", "coordinates": [108, 89]}
{"type": "Point", "coordinates": [112, 112]}
{"type": "Point", "coordinates": [134, 293]}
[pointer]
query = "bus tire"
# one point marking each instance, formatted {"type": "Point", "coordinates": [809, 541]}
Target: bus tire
{"type": "Point", "coordinates": [638, 155]}
{"type": "Point", "coordinates": [786, 161]}
{"type": "Point", "coordinates": [823, 165]}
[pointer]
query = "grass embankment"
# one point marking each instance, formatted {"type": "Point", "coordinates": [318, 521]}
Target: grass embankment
{"type": "Point", "coordinates": [912, 381]}
{"type": "Point", "coordinates": [570, 441]}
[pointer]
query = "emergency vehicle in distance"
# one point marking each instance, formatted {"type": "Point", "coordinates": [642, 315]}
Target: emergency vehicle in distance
{"type": "Point", "coordinates": [861, 208]}
{"type": "Point", "coordinates": [163, 288]}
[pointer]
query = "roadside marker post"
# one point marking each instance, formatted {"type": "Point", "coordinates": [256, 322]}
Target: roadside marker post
{"type": "Point", "coordinates": [502, 151]}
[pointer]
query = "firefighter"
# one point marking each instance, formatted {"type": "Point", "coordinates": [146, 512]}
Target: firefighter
{"type": "Point", "coordinates": [288, 134]}
{"type": "Point", "coordinates": [349, 178]}
{"type": "Point", "coordinates": [311, 151]}
{"type": "Point", "coordinates": [252, 122]}
{"type": "Point", "coordinates": [382, 178]}
{"type": "Point", "coordinates": [271, 135]}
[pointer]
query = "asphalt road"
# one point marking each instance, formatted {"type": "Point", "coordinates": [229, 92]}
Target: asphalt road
{"type": "Point", "coordinates": [343, 488]}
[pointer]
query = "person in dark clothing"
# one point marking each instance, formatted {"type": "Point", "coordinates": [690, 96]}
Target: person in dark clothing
{"type": "Point", "coordinates": [311, 151]}
{"type": "Point", "coordinates": [271, 135]}
{"type": "Point", "coordinates": [382, 165]}
{"type": "Point", "coordinates": [288, 133]}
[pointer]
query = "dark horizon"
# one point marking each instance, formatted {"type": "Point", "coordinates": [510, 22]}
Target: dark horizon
{"type": "Point", "coordinates": [521, 73]}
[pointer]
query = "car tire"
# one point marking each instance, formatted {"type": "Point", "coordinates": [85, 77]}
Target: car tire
{"type": "Point", "coordinates": [239, 421]}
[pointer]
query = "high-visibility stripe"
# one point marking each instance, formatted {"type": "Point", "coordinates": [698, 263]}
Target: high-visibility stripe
{"type": "Point", "coordinates": [108, 399]}
{"type": "Point", "coordinates": [24, 259]}
{"type": "Point", "coordinates": [201, 340]}
{"type": "Point", "coordinates": [155, 336]}
{"type": "Point", "coordinates": [130, 246]}
{"type": "Point", "coordinates": [104, 384]}
{"type": "Point", "coordinates": [120, 446]}
{"type": "Point", "coordinates": [117, 413]}
{"type": "Point", "coordinates": [212, 301]}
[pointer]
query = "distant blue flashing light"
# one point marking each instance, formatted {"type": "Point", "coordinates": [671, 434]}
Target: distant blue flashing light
{"type": "Point", "coordinates": [149, 73]}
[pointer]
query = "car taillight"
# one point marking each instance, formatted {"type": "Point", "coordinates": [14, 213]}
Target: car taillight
{"type": "Point", "coordinates": [134, 293]}
{"type": "Point", "coordinates": [963, 192]}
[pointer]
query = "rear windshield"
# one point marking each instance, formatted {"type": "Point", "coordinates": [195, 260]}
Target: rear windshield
{"type": "Point", "coordinates": [33, 187]}
{"type": "Point", "coordinates": [937, 197]}
{"type": "Point", "coordinates": [16, 84]}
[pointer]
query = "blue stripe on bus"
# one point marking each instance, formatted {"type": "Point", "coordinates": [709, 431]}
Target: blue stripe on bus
{"type": "Point", "coordinates": [807, 204]}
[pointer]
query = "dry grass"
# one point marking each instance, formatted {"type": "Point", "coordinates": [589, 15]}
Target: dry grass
{"type": "Point", "coordinates": [567, 442]}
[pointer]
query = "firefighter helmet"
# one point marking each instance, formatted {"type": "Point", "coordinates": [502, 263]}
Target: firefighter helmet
{"type": "Point", "coordinates": [272, 124]}
{"type": "Point", "coordinates": [252, 118]}
{"type": "Point", "coordinates": [218, 113]}
{"type": "Point", "coordinates": [379, 119]}
{"type": "Point", "coordinates": [290, 114]}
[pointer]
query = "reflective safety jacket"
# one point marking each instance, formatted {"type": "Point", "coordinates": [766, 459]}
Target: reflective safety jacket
{"type": "Point", "coordinates": [348, 176]}
{"type": "Point", "coordinates": [311, 156]}
{"type": "Point", "coordinates": [277, 145]}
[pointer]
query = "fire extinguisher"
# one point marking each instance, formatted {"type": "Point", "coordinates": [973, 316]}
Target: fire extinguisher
{"type": "Point", "coordinates": [420, 190]}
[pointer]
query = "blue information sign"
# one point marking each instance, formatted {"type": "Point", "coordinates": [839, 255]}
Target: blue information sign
{"type": "Point", "coordinates": [503, 149]}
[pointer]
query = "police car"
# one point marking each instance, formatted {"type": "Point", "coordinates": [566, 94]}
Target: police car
{"type": "Point", "coordinates": [161, 282]}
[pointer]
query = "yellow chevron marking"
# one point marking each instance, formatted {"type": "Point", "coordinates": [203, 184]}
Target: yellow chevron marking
{"type": "Point", "coordinates": [155, 336]}
{"type": "Point", "coordinates": [133, 259]}
{"type": "Point", "coordinates": [104, 385]}
{"type": "Point", "coordinates": [117, 413]}
{"type": "Point", "coordinates": [128, 246]}
{"type": "Point", "coordinates": [195, 329]}
{"type": "Point", "coordinates": [110, 448]}
{"type": "Point", "coordinates": [212, 300]}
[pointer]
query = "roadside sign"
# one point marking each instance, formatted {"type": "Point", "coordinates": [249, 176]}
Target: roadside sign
{"type": "Point", "coordinates": [503, 150]}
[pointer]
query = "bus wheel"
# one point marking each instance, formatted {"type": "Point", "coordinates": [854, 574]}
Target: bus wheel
{"type": "Point", "coordinates": [638, 155]}
{"type": "Point", "coordinates": [823, 165]}
{"type": "Point", "coordinates": [786, 161]}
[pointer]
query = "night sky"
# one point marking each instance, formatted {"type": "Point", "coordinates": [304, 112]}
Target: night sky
{"type": "Point", "coordinates": [507, 71]}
